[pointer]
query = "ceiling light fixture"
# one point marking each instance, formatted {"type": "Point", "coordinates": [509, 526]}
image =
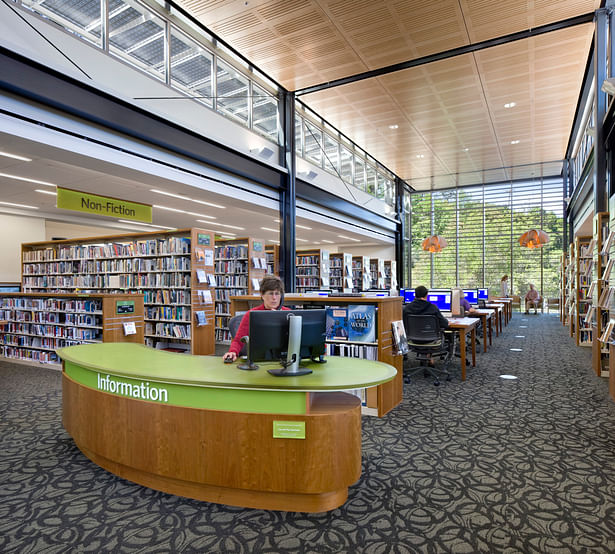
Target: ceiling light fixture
{"type": "Point", "coordinates": [263, 152]}
{"type": "Point", "coordinates": [534, 238]}
{"type": "Point", "coordinates": [146, 224]}
{"type": "Point", "coordinates": [327, 241]}
{"type": "Point", "coordinates": [301, 240]}
{"type": "Point", "coordinates": [268, 229]}
{"type": "Point", "coordinates": [393, 127]}
{"type": "Point", "coordinates": [18, 178]}
{"type": "Point", "coordinates": [46, 192]}
{"type": "Point", "coordinates": [348, 238]}
{"type": "Point", "coordinates": [466, 149]}
{"type": "Point", "coordinates": [222, 225]}
{"type": "Point", "coordinates": [421, 156]}
{"type": "Point", "coordinates": [187, 198]}
{"type": "Point", "coordinates": [15, 156]}
{"type": "Point", "coordinates": [182, 211]}
{"type": "Point", "coordinates": [515, 141]}
{"type": "Point", "coordinates": [510, 105]}
{"type": "Point", "coordinates": [435, 243]}
{"type": "Point", "coordinates": [309, 175]}
{"type": "Point", "coordinates": [19, 205]}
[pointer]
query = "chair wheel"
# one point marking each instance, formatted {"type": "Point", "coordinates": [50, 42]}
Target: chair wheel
{"type": "Point", "coordinates": [436, 383]}
{"type": "Point", "coordinates": [448, 377]}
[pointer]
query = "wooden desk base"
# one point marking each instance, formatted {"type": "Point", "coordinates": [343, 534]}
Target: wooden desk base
{"type": "Point", "coordinates": [217, 456]}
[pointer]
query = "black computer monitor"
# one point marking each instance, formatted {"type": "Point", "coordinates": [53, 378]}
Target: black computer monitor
{"type": "Point", "coordinates": [483, 294]}
{"type": "Point", "coordinates": [269, 337]}
{"type": "Point", "coordinates": [441, 298]}
{"type": "Point", "coordinates": [471, 295]}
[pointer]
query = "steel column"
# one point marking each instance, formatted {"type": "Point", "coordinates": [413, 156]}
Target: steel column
{"type": "Point", "coordinates": [288, 197]}
{"type": "Point", "coordinates": [600, 67]}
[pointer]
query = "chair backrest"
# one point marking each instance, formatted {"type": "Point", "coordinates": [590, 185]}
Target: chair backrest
{"type": "Point", "coordinates": [233, 327]}
{"type": "Point", "coordinates": [422, 328]}
{"type": "Point", "coordinates": [482, 303]}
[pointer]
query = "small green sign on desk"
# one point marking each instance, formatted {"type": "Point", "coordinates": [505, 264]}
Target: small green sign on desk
{"type": "Point", "coordinates": [289, 429]}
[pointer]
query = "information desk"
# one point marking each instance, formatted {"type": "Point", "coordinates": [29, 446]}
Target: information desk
{"type": "Point", "coordinates": [196, 427]}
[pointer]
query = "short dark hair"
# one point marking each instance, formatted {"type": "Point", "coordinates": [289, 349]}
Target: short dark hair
{"type": "Point", "coordinates": [420, 292]}
{"type": "Point", "coordinates": [271, 282]}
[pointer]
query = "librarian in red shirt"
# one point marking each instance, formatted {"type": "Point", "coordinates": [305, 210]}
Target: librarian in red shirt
{"type": "Point", "coordinates": [272, 294]}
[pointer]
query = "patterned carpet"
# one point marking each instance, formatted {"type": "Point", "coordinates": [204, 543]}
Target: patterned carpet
{"type": "Point", "coordinates": [489, 465]}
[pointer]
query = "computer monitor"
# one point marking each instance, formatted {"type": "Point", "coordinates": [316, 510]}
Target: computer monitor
{"type": "Point", "coordinates": [441, 298]}
{"type": "Point", "coordinates": [483, 294]}
{"type": "Point", "coordinates": [471, 295]}
{"type": "Point", "coordinates": [408, 295]}
{"type": "Point", "coordinates": [272, 339]}
{"type": "Point", "coordinates": [10, 287]}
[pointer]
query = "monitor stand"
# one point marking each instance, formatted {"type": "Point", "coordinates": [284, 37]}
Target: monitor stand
{"type": "Point", "coordinates": [291, 365]}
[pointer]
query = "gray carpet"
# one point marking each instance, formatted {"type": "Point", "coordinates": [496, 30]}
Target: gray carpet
{"type": "Point", "coordinates": [488, 465]}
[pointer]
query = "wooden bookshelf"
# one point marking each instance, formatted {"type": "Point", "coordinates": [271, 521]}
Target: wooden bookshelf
{"type": "Point", "coordinates": [272, 253]}
{"type": "Point", "coordinates": [241, 263]}
{"type": "Point", "coordinates": [36, 324]}
{"type": "Point", "coordinates": [312, 269]}
{"type": "Point", "coordinates": [563, 288]}
{"type": "Point", "coordinates": [340, 271]}
{"type": "Point", "coordinates": [584, 260]}
{"type": "Point", "coordinates": [390, 275]}
{"type": "Point", "coordinates": [599, 288]}
{"type": "Point", "coordinates": [160, 265]}
{"type": "Point", "coordinates": [361, 276]}
{"type": "Point", "coordinates": [381, 399]}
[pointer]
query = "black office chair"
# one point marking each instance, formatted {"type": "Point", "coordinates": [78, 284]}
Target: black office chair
{"type": "Point", "coordinates": [233, 327]}
{"type": "Point", "coordinates": [428, 341]}
{"type": "Point", "coordinates": [482, 304]}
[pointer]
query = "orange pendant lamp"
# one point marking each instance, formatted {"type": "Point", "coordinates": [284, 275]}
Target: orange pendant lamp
{"type": "Point", "coordinates": [435, 243]}
{"type": "Point", "coordinates": [534, 238]}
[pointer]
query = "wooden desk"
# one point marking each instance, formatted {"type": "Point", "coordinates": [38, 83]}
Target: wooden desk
{"type": "Point", "coordinates": [465, 325]}
{"type": "Point", "coordinates": [499, 309]}
{"type": "Point", "coordinates": [507, 307]}
{"type": "Point", "coordinates": [485, 316]}
{"type": "Point", "coordinates": [196, 427]}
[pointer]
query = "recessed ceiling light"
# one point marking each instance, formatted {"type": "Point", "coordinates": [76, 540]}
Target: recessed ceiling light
{"type": "Point", "coordinates": [15, 156]}
{"type": "Point", "coordinates": [18, 178]}
{"type": "Point", "coordinates": [222, 225]}
{"type": "Point", "coordinates": [301, 240]}
{"type": "Point", "coordinates": [510, 105]}
{"type": "Point", "coordinates": [275, 241]}
{"type": "Point", "coordinates": [466, 149]}
{"type": "Point", "coordinates": [515, 141]}
{"type": "Point", "coordinates": [268, 229]}
{"type": "Point", "coordinates": [393, 127]}
{"type": "Point", "coordinates": [327, 241]}
{"type": "Point", "coordinates": [187, 198]}
{"type": "Point", "coordinates": [46, 192]}
{"type": "Point", "coordinates": [348, 238]}
{"type": "Point", "coordinates": [182, 211]}
{"type": "Point", "coordinates": [420, 155]}
{"type": "Point", "coordinates": [303, 227]}
{"type": "Point", "coordinates": [142, 223]}
{"type": "Point", "coordinates": [19, 205]}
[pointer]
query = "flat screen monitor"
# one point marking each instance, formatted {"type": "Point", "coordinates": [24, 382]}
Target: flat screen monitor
{"type": "Point", "coordinates": [269, 335]}
{"type": "Point", "coordinates": [441, 298]}
{"type": "Point", "coordinates": [471, 295]}
{"type": "Point", "coordinates": [408, 295]}
{"type": "Point", "coordinates": [483, 294]}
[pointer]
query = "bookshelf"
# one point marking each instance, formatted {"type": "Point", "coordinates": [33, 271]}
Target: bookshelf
{"type": "Point", "coordinates": [35, 325]}
{"type": "Point", "coordinates": [376, 273]}
{"type": "Point", "coordinates": [600, 292]}
{"type": "Point", "coordinates": [272, 253]}
{"type": "Point", "coordinates": [584, 259]}
{"type": "Point", "coordinates": [571, 289]}
{"type": "Point", "coordinates": [160, 265]}
{"type": "Point", "coordinates": [378, 400]}
{"type": "Point", "coordinates": [340, 276]}
{"type": "Point", "coordinates": [390, 275]}
{"type": "Point", "coordinates": [312, 269]}
{"type": "Point", "coordinates": [240, 264]}
{"type": "Point", "coordinates": [361, 276]}
{"type": "Point", "coordinates": [563, 285]}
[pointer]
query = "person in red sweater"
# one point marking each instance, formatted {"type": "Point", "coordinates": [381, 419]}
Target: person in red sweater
{"type": "Point", "coordinates": [272, 294]}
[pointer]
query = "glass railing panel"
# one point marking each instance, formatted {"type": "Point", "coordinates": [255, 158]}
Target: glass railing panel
{"type": "Point", "coordinates": [346, 159]}
{"type": "Point", "coordinates": [331, 154]}
{"type": "Point", "coordinates": [232, 92]}
{"type": "Point", "coordinates": [372, 179]}
{"type": "Point", "coordinates": [264, 112]}
{"type": "Point", "coordinates": [191, 68]}
{"type": "Point", "coordinates": [359, 173]}
{"type": "Point", "coordinates": [313, 143]}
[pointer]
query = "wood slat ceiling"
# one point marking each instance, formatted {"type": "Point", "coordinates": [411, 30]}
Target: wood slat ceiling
{"type": "Point", "coordinates": [453, 126]}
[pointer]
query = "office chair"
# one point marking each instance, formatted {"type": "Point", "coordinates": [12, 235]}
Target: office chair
{"type": "Point", "coordinates": [482, 304]}
{"type": "Point", "coordinates": [427, 340]}
{"type": "Point", "coordinates": [233, 327]}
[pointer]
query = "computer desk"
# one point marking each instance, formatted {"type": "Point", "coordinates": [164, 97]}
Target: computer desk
{"type": "Point", "coordinates": [196, 427]}
{"type": "Point", "coordinates": [499, 310]}
{"type": "Point", "coordinates": [508, 307]}
{"type": "Point", "coordinates": [465, 325]}
{"type": "Point", "coordinates": [485, 316]}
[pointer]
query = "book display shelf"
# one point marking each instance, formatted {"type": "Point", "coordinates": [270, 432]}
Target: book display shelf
{"type": "Point", "coordinates": [571, 293]}
{"type": "Point", "coordinates": [563, 289]}
{"type": "Point", "coordinates": [390, 274]}
{"type": "Point", "coordinates": [241, 263]}
{"type": "Point", "coordinates": [340, 272]}
{"type": "Point", "coordinates": [383, 398]}
{"type": "Point", "coordinates": [584, 257]}
{"type": "Point", "coordinates": [313, 269]}
{"type": "Point", "coordinates": [172, 269]}
{"type": "Point", "coordinates": [272, 253]}
{"type": "Point", "coordinates": [361, 276]}
{"type": "Point", "coordinates": [35, 325]}
{"type": "Point", "coordinates": [601, 293]}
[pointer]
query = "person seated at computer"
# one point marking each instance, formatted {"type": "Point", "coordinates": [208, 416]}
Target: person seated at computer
{"type": "Point", "coordinates": [467, 307]}
{"type": "Point", "coordinates": [272, 295]}
{"type": "Point", "coordinates": [532, 300]}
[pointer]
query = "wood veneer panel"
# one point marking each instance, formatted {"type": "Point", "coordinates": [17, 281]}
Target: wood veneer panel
{"type": "Point", "coordinates": [219, 456]}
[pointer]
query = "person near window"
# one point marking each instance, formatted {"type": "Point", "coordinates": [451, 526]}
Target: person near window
{"type": "Point", "coordinates": [272, 295]}
{"type": "Point", "coordinates": [532, 300]}
{"type": "Point", "coordinates": [504, 286]}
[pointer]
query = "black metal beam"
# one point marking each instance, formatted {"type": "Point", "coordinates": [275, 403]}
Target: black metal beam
{"type": "Point", "coordinates": [453, 52]}
{"type": "Point", "coordinates": [600, 73]}
{"type": "Point", "coordinates": [29, 79]}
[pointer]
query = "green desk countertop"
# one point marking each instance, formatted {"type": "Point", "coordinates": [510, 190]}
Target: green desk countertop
{"type": "Point", "coordinates": [141, 362]}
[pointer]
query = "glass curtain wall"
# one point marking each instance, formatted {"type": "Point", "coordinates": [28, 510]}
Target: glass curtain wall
{"type": "Point", "coordinates": [482, 225]}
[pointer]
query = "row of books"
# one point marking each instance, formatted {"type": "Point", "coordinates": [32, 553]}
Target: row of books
{"type": "Point", "coordinates": [180, 313]}
{"type": "Point", "coordinates": [235, 251]}
{"type": "Point", "coordinates": [237, 281]}
{"type": "Point", "coordinates": [122, 265]}
{"type": "Point", "coordinates": [223, 335]}
{"type": "Point", "coordinates": [232, 266]}
{"type": "Point", "coordinates": [51, 304]}
{"type": "Point", "coordinates": [41, 356]}
{"type": "Point", "coordinates": [352, 350]}
{"type": "Point", "coordinates": [173, 330]}
{"type": "Point", "coordinates": [224, 295]}
{"type": "Point", "coordinates": [109, 281]}
{"type": "Point", "coordinates": [63, 331]}
{"type": "Point", "coordinates": [166, 296]}
{"type": "Point", "coordinates": [41, 343]}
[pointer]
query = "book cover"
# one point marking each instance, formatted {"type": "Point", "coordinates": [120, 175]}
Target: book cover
{"type": "Point", "coordinates": [362, 323]}
{"type": "Point", "coordinates": [337, 323]}
{"type": "Point", "coordinates": [399, 337]}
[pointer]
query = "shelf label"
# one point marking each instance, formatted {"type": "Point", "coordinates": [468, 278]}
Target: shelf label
{"type": "Point", "coordinates": [78, 201]}
{"type": "Point", "coordinates": [289, 429]}
{"type": "Point", "coordinates": [125, 307]}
